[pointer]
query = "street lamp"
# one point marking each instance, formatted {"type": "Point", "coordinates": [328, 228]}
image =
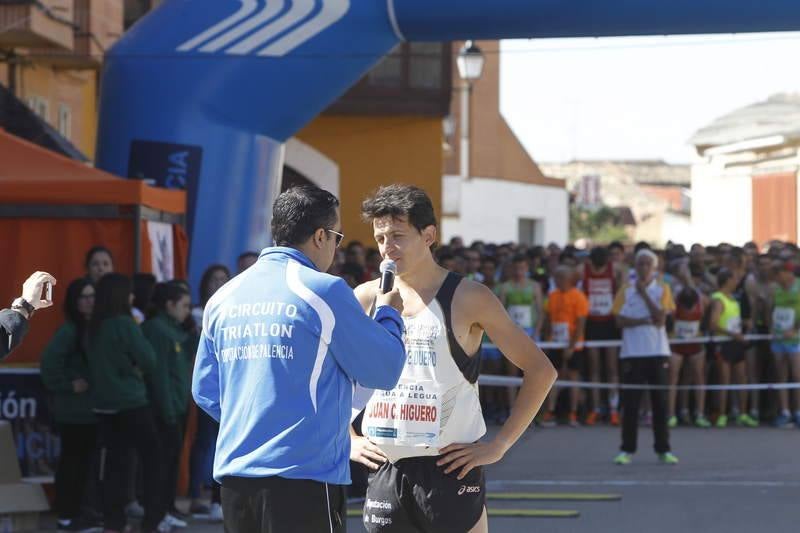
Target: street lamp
{"type": "Point", "coordinates": [470, 66]}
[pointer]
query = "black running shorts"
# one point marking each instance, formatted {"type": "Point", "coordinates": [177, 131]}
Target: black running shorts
{"type": "Point", "coordinates": [415, 495]}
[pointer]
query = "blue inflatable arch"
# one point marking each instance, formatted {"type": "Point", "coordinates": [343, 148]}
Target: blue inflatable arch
{"type": "Point", "coordinates": [203, 94]}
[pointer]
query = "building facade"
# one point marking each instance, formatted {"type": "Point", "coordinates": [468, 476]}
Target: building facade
{"type": "Point", "coordinates": [744, 181]}
{"type": "Point", "coordinates": [503, 196]}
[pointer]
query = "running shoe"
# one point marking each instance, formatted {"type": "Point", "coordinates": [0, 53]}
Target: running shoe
{"type": "Point", "coordinates": [672, 422]}
{"type": "Point", "coordinates": [783, 420]}
{"type": "Point", "coordinates": [134, 510]}
{"type": "Point", "coordinates": [591, 418]}
{"type": "Point", "coordinates": [81, 525]}
{"type": "Point", "coordinates": [614, 418]}
{"type": "Point", "coordinates": [668, 458]}
{"type": "Point", "coordinates": [623, 458]}
{"type": "Point", "coordinates": [549, 420]}
{"type": "Point", "coordinates": [746, 421]}
{"type": "Point", "coordinates": [572, 421]}
{"type": "Point", "coordinates": [215, 515]}
{"type": "Point", "coordinates": [722, 421]}
{"type": "Point", "coordinates": [175, 522]}
{"type": "Point", "coordinates": [702, 422]}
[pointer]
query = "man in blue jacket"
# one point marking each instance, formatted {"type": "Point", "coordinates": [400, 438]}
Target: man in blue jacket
{"type": "Point", "coordinates": [282, 347]}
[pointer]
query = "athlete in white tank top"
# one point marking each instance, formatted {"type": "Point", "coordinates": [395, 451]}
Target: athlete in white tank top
{"type": "Point", "coordinates": [435, 403]}
{"type": "Point", "coordinates": [429, 426]}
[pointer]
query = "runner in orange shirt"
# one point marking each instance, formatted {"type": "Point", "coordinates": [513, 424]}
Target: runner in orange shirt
{"type": "Point", "coordinates": [567, 309]}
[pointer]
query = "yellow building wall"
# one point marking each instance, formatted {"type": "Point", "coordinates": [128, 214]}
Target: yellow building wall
{"type": "Point", "coordinates": [76, 89]}
{"type": "Point", "coordinates": [374, 151]}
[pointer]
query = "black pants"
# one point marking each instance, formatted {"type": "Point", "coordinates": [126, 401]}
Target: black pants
{"type": "Point", "coordinates": [278, 505]}
{"type": "Point", "coordinates": [133, 428]}
{"type": "Point", "coordinates": [171, 436]}
{"type": "Point", "coordinates": [78, 443]}
{"type": "Point", "coordinates": [644, 371]}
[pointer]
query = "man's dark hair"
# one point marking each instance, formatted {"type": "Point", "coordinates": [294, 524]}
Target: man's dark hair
{"type": "Point", "coordinates": [723, 275]}
{"type": "Point", "coordinates": [688, 298]}
{"type": "Point", "coordinates": [300, 211]}
{"type": "Point", "coordinates": [641, 245]}
{"type": "Point", "coordinates": [112, 298]}
{"type": "Point", "coordinates": [599, 256]}
{"type": "Point", "coordinates": [519, 258]}
{"type": "Point", "coordinates": [616, 244]}
{"type": "Point", "coordinates": [400, 201]}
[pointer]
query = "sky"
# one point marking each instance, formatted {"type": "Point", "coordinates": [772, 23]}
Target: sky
{"type": "Point", "coordinates": [636, 97]}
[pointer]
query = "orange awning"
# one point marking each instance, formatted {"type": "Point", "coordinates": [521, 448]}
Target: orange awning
{"type": "Point", "coordinates": [30, 174]}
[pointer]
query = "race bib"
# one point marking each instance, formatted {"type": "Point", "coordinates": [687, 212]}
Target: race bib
{"type": "Point", "coordinates": [560, 332]}
{"type": "Point", "coordinates": [735, 324]}
{"type": "Point", "coordinates": [600, 303]}
{"type": "Point", "coordinates": [783, 318]}
{"type": "Point", "coordinates": [687, 329]}
{"type": "Point", "coordinates": [408, 415]}
{"type": "Point", "coordinates": [521, 315]}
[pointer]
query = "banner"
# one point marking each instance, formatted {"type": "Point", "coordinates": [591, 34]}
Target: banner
{"type": "Point", "coordinates": [162, 250]}
{"type": "Point", "coordinates": [24, 402]}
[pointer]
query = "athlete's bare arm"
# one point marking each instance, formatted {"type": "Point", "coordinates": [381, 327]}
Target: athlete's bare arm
{"type": "Point", "coordinates": [477, 309]}
{"type": "Point", "coordinates": [365, 294]}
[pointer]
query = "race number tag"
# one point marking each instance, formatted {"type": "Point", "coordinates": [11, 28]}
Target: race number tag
{"type": "Point", "coordinates": [408, 415]}
{"type": "Point", "coordinates": [600, 303]}
{"type": "Point", "coordinates": [521, 315]}
{"type": "Point", "coordinates": [735, 324]}
{"type": "Point", "coordinates": [783, 318]}
{"type": "Point", "coordinates": [687, 329]}
{"type": "Point", "coordinates": [560, 332]}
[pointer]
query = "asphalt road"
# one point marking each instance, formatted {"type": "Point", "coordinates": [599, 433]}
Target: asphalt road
{"type": "Point", "coordinates": [728, 481]}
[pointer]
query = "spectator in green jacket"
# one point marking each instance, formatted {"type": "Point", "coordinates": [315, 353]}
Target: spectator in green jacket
{"type": "Point", "coordinates": [120, 360]}
{"type": "Point", "coordinates": [65, 373]}
{"type": "Point", "coordinates": [170, 383]}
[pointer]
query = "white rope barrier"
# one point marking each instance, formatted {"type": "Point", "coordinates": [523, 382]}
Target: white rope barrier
{"type": "Point", "coordinates": [492, 380]}
{"type": "Point", "coordinates": [672, 341]}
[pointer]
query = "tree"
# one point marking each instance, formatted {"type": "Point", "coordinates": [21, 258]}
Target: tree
{"type": "Point", "coordinates": [601, 225]}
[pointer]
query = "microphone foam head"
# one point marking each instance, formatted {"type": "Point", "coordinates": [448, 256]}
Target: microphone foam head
{"type": "Point", "coordinates": [387, 265]}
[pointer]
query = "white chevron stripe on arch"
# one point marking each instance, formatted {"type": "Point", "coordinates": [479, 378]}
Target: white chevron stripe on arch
{"type": "Point", "coordinates": [313, 165]}
{"type": "Point", "coordinates": [270, 10]}
{"type": "Point", "coordinates": [257, 22]}
{"type": "Point", "coordinates": [246, 9]}
{"type": "Point", "coordinates": [332, 11]}
{"type": "Point", "coordinates": [300, 9]}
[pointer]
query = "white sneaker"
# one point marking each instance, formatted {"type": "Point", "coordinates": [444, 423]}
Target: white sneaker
{"type": "Point", "coordinates": [174, 521]}
{"type": "Point", "coordinates": [215, 514]}
{"type": "Point", "coordinates": [163, 526]}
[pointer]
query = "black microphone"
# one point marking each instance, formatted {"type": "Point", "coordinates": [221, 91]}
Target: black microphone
{"type": "Point", "coordinates": [388, 270]}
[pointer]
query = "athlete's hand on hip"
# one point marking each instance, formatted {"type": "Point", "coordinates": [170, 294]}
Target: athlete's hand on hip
{"type": "Point", "coordinates": [468, 456]}
{"type": "Point", "coordinates": [364, 452]}
{"type": "Point", "coordinates": [391, 298]}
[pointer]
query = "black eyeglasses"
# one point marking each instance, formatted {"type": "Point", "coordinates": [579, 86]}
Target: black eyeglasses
{"type": "Point", "coordinates": [339, 236]}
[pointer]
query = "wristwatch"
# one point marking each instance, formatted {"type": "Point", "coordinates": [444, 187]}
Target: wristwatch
{"type": "Point", "coordinates": [21, 305]}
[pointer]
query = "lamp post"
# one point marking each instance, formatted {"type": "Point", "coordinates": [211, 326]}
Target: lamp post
{"type": "Point", "coordinates": [470, 66]}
